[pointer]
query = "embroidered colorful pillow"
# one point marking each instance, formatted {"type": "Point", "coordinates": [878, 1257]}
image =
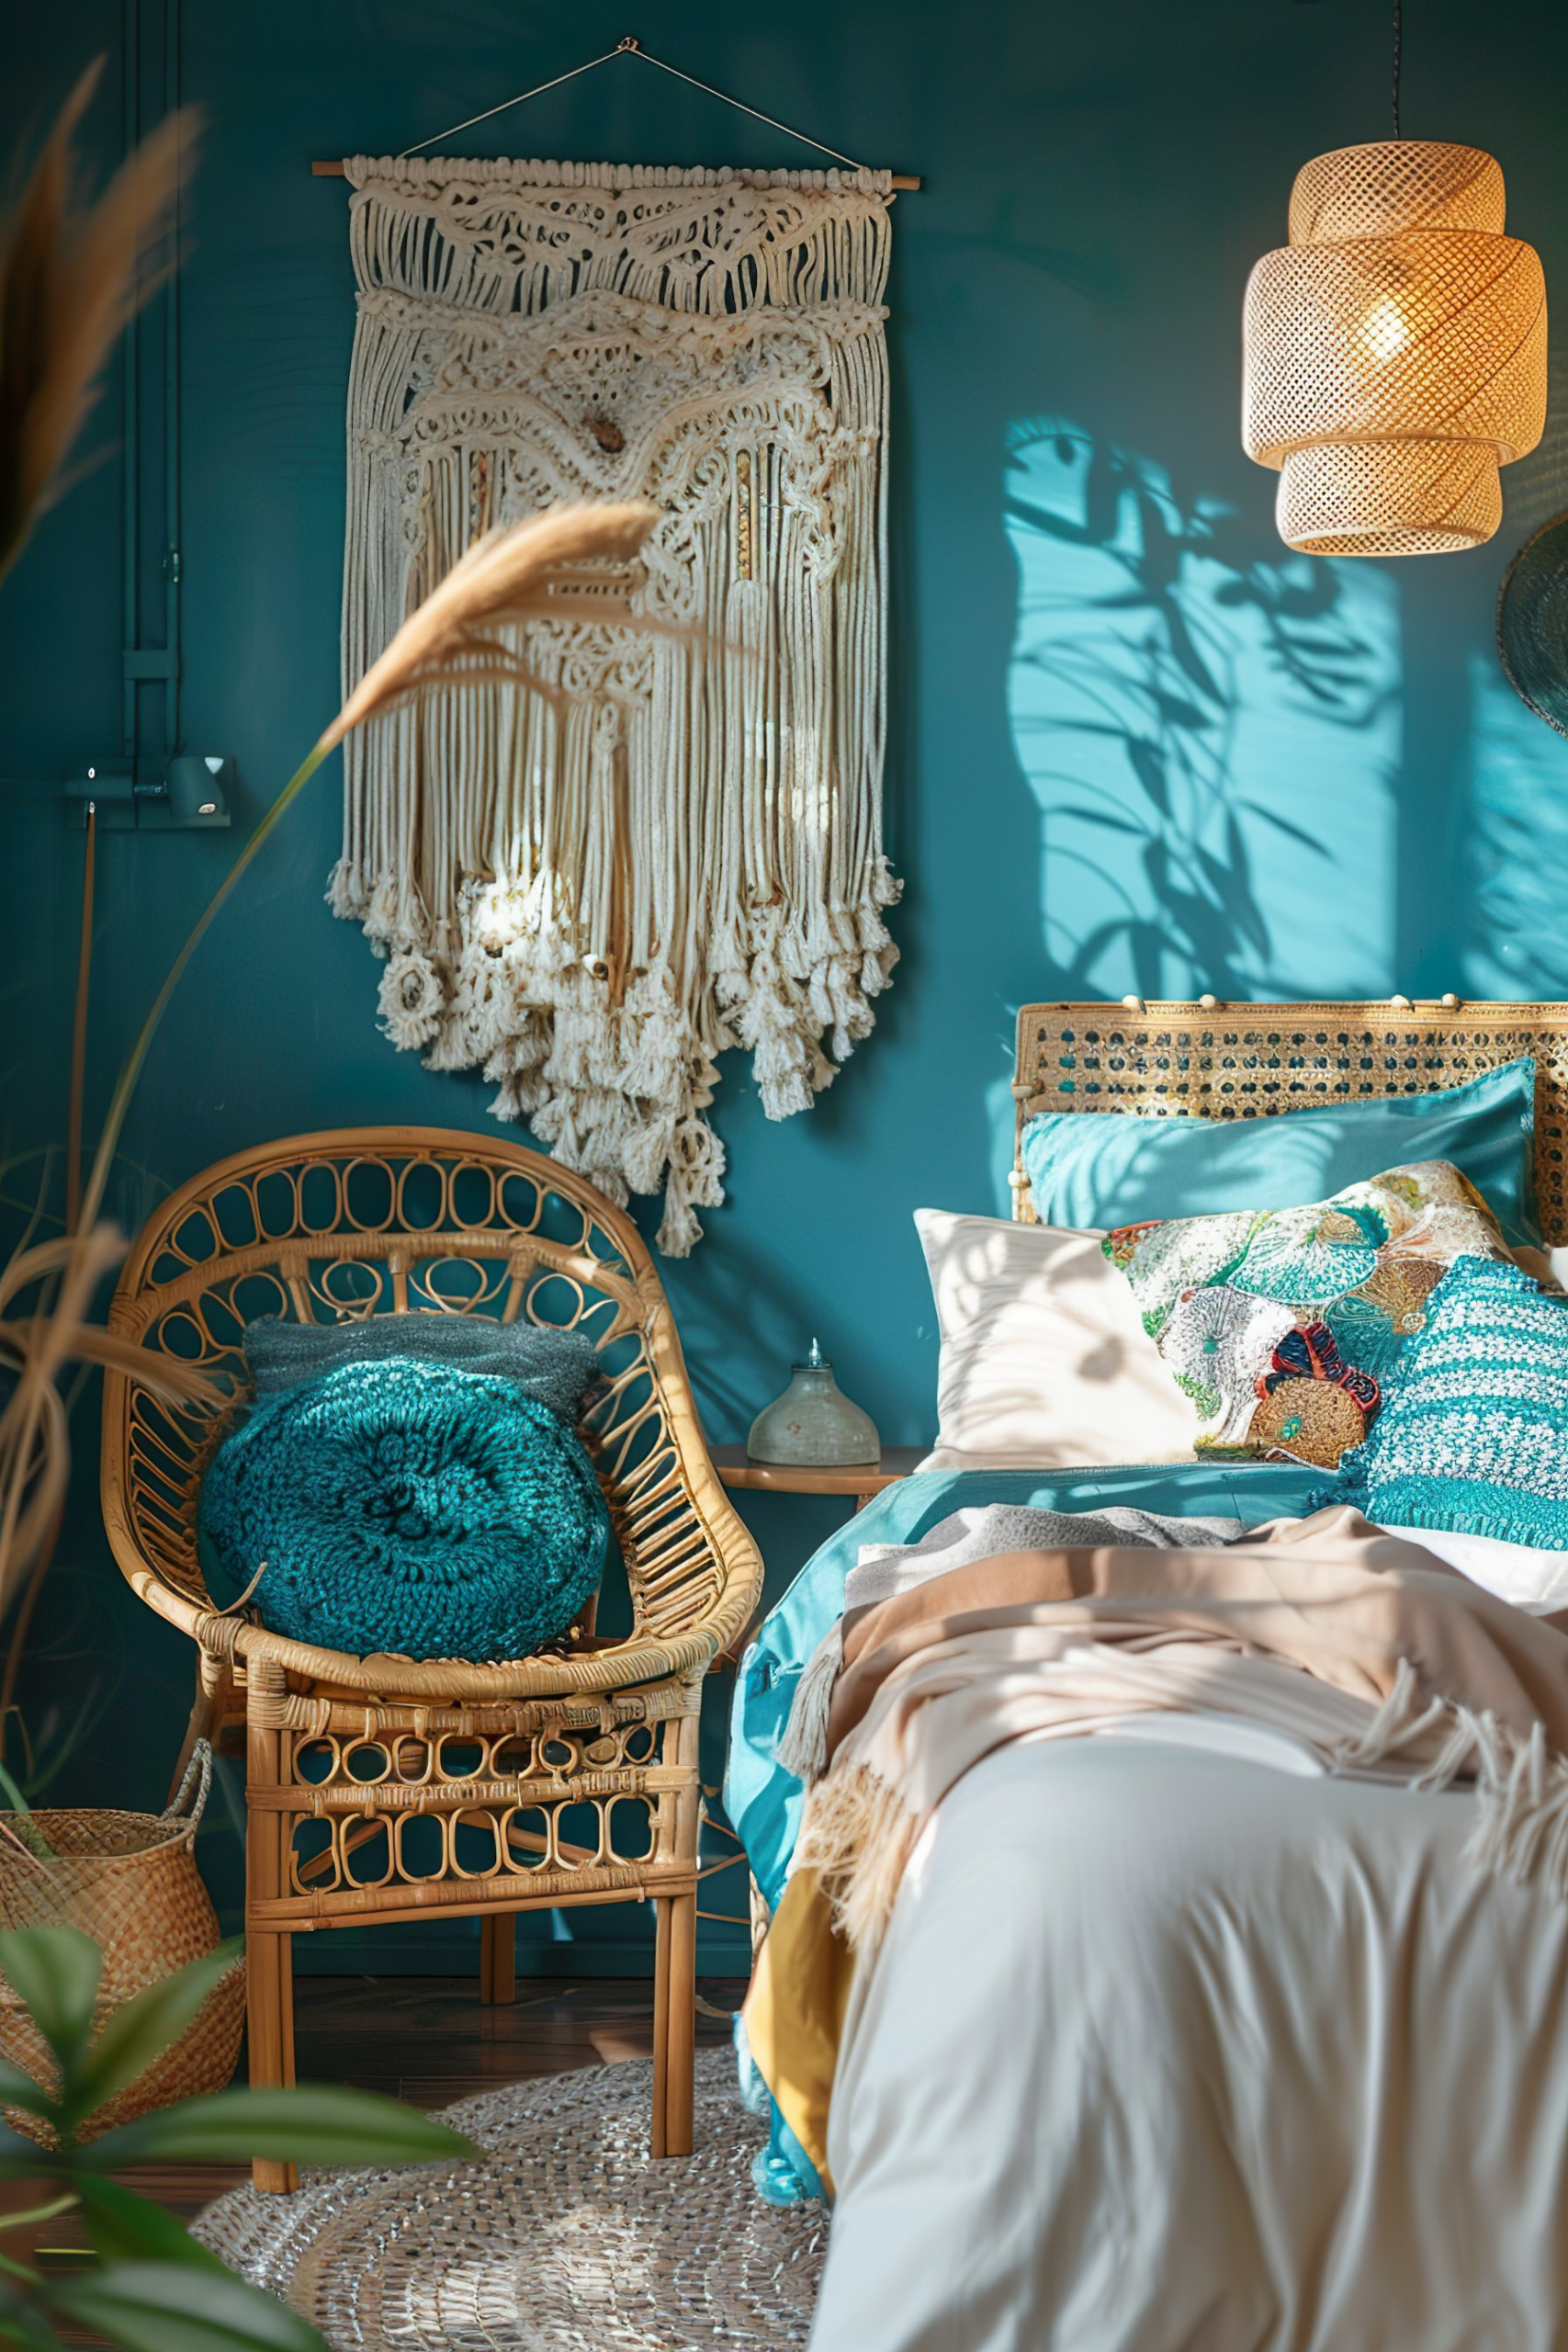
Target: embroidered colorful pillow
{"type": "Point", "coordinates": [1475, 1438]}
{"type": "Point", "coordinates": [1285, 1325]}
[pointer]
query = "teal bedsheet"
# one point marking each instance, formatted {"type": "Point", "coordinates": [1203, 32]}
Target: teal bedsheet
{"type": "Point", "coordinates": [763, 1801]}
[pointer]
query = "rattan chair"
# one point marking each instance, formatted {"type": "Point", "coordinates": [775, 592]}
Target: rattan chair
{"type": "Point", "coordinates": [383, 1789]}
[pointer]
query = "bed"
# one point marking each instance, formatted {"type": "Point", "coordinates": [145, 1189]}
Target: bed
{"type": "Point", "coordinates": [1176, 2036]}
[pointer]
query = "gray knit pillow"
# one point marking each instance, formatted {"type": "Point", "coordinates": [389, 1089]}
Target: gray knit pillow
{"type": "Point", "coordinates": [556, 1368]}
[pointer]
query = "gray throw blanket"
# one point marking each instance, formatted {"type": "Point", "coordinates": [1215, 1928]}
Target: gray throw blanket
{"type": "Point", "coordinates": [984, 1532]}
{"type": "Point", "coordinates": [555, 1367]}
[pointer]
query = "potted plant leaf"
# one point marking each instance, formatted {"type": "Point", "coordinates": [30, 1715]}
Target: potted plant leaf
{"type": "Point", "coordinates": [148, 2285]}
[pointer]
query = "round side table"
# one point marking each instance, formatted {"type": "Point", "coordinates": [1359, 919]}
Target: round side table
{"type": "Point", "coordinates": [859, 1481]}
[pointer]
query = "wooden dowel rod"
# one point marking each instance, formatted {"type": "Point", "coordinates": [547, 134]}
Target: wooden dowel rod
{"type": "Point", "coordinates": [321, 171]}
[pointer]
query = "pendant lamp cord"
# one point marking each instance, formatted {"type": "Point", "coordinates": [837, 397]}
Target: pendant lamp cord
{"type": "Point", "coordinates": [1398, 54]}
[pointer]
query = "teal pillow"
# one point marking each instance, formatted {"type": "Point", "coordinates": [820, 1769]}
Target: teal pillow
{"type": "Point", "coordinates": [1096, 1169]}
{"type": "Point", "coordinates": [1475, 1437]}
{"type": "Point", "coordinates": [406, 1506]}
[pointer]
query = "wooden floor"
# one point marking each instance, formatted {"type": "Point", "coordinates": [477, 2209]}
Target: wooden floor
{"type": "Point", "coordinates": [428, 2040]}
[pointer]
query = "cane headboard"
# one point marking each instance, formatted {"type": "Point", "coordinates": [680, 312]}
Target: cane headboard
{"type": "Point", "coordinates": [1248, 1061]}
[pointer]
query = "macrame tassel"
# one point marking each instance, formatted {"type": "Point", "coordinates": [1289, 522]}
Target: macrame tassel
{"type": "Point", "coordinates": [1523, 1830]}
{"type": "Point", "coordinates": [1399, 1723]}
{"type": "Point", "coordinates": [411, 1000]}
{"type": "Point", "coordinates": [347, 894]}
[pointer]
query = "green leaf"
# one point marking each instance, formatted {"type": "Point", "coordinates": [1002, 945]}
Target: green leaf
{"type": "Point", "coordinates": [54, 1972]}
{"type": "Point", "coordinates": [22, 2323]}
{"type": "Point", "coordinates": [128, 2228]}
{"type": "Point", "coordinates": [23, 2159]}
{"type": "Point", "coordinates": [26, 1827]}
{"type": "Point", "coordinates": [315, 2125]}
{"type": "Point", "coordinates": [141, 2029]}
{"type": "Point", "coordinates": [167, 2307]}
{"type": "Point", "coordinates": [19, 2089]}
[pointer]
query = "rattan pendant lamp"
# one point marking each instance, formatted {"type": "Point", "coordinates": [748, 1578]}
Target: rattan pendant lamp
{"type": "Point", "coordinates": [1394, 351]}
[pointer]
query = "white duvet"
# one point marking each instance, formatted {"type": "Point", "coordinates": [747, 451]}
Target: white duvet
{"type": "Point", "coordinates": [1168, 2051]}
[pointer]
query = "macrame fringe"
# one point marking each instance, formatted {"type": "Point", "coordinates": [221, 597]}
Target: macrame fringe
{"type": "Point", "coordinates": [1410, 1511]}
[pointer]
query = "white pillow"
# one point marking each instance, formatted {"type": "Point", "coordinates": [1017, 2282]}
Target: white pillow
{"type": "Point", "coordinates": [1549, 1267]}
{"type": "Point", "coordinates": [1534, 1581]}
{"type": "Point", "coordinates": [1044, 1362]}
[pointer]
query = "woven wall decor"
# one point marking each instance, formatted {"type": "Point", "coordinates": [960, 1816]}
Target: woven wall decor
{"type": "Point", "coordinates": [589, 897]}
{"type": "Point", "coordinates": [1532, 623]}
{"type": "Point", "coordinates": [1394, 352]}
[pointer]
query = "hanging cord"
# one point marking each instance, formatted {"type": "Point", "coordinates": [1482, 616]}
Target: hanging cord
{"type": "Point", "coordinates": [632, 47]}
{"type": "Point", "coordinates": [1398, 58]}
{"type": "Point", "coordinates": [634, 50]}
{"type": "Point", "coordinates": [520, 100]}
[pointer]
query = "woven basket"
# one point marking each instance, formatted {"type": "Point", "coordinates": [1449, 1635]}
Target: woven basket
{"type": "Point", "coordinates": [129, 1881]}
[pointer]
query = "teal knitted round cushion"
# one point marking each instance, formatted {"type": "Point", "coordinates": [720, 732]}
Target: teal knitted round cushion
{"type": "Point", "coordinates": [408, 1506]}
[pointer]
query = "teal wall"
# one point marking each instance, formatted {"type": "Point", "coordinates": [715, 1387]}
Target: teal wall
{"type": "Point", "coordinates": [1133, 742]}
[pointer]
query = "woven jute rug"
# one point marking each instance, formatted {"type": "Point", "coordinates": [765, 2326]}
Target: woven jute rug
{"type": "Point", "coordinates": [570, 2237]}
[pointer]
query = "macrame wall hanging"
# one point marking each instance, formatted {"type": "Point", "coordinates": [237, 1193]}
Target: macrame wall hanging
{"type": "Point", "coordinates": [590, 895]}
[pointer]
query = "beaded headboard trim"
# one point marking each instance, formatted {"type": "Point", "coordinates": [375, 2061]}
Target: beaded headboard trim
{"type": "Point", "coordinates": [1250, 1061]}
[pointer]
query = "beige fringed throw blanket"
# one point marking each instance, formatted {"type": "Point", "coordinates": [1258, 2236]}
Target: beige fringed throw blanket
{"type": "Point", "coordinates": [1388, 1662]}
{"type": "Point", "coordinates": [1360, 1642]}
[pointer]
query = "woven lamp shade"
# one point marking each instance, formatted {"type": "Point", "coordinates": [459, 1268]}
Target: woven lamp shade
{"type": "Point", "coordinates": [1394, 352]}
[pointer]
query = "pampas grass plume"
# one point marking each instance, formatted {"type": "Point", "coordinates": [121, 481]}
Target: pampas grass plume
{"type": "Point", "coordinates": [69, 282]}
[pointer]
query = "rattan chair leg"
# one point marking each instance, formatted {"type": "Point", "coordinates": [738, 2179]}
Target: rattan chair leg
{"type": "Point", "coordinates": [659, 2131]}
{"type": "Point", "coordinates": [498, 1957]}
{"type": "Point", "coordinates": [674, 2024]}
{"type": "Point", "coordinates": [269, 1956]}
{"type": "Point", "coordinates": [681, 2087]}
{"type": "Point", "coordinates": [271, 2030]}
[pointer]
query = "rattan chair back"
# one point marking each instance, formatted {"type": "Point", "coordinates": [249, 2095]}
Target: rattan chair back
{"type": "Point", "coordinates": [334, 1226]}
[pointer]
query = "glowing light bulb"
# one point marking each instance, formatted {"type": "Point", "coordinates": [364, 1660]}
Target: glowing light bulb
{"type": "Point", "coordinates": [1384, 330]}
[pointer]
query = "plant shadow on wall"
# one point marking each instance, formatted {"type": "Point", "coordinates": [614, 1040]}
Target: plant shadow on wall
{"type": "Point", "coordinates": [1514, 846]}
{"type": "Point", "coordinates": [1211, 727]}
{"type": "Point", "coordinates": [1515, 877]}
